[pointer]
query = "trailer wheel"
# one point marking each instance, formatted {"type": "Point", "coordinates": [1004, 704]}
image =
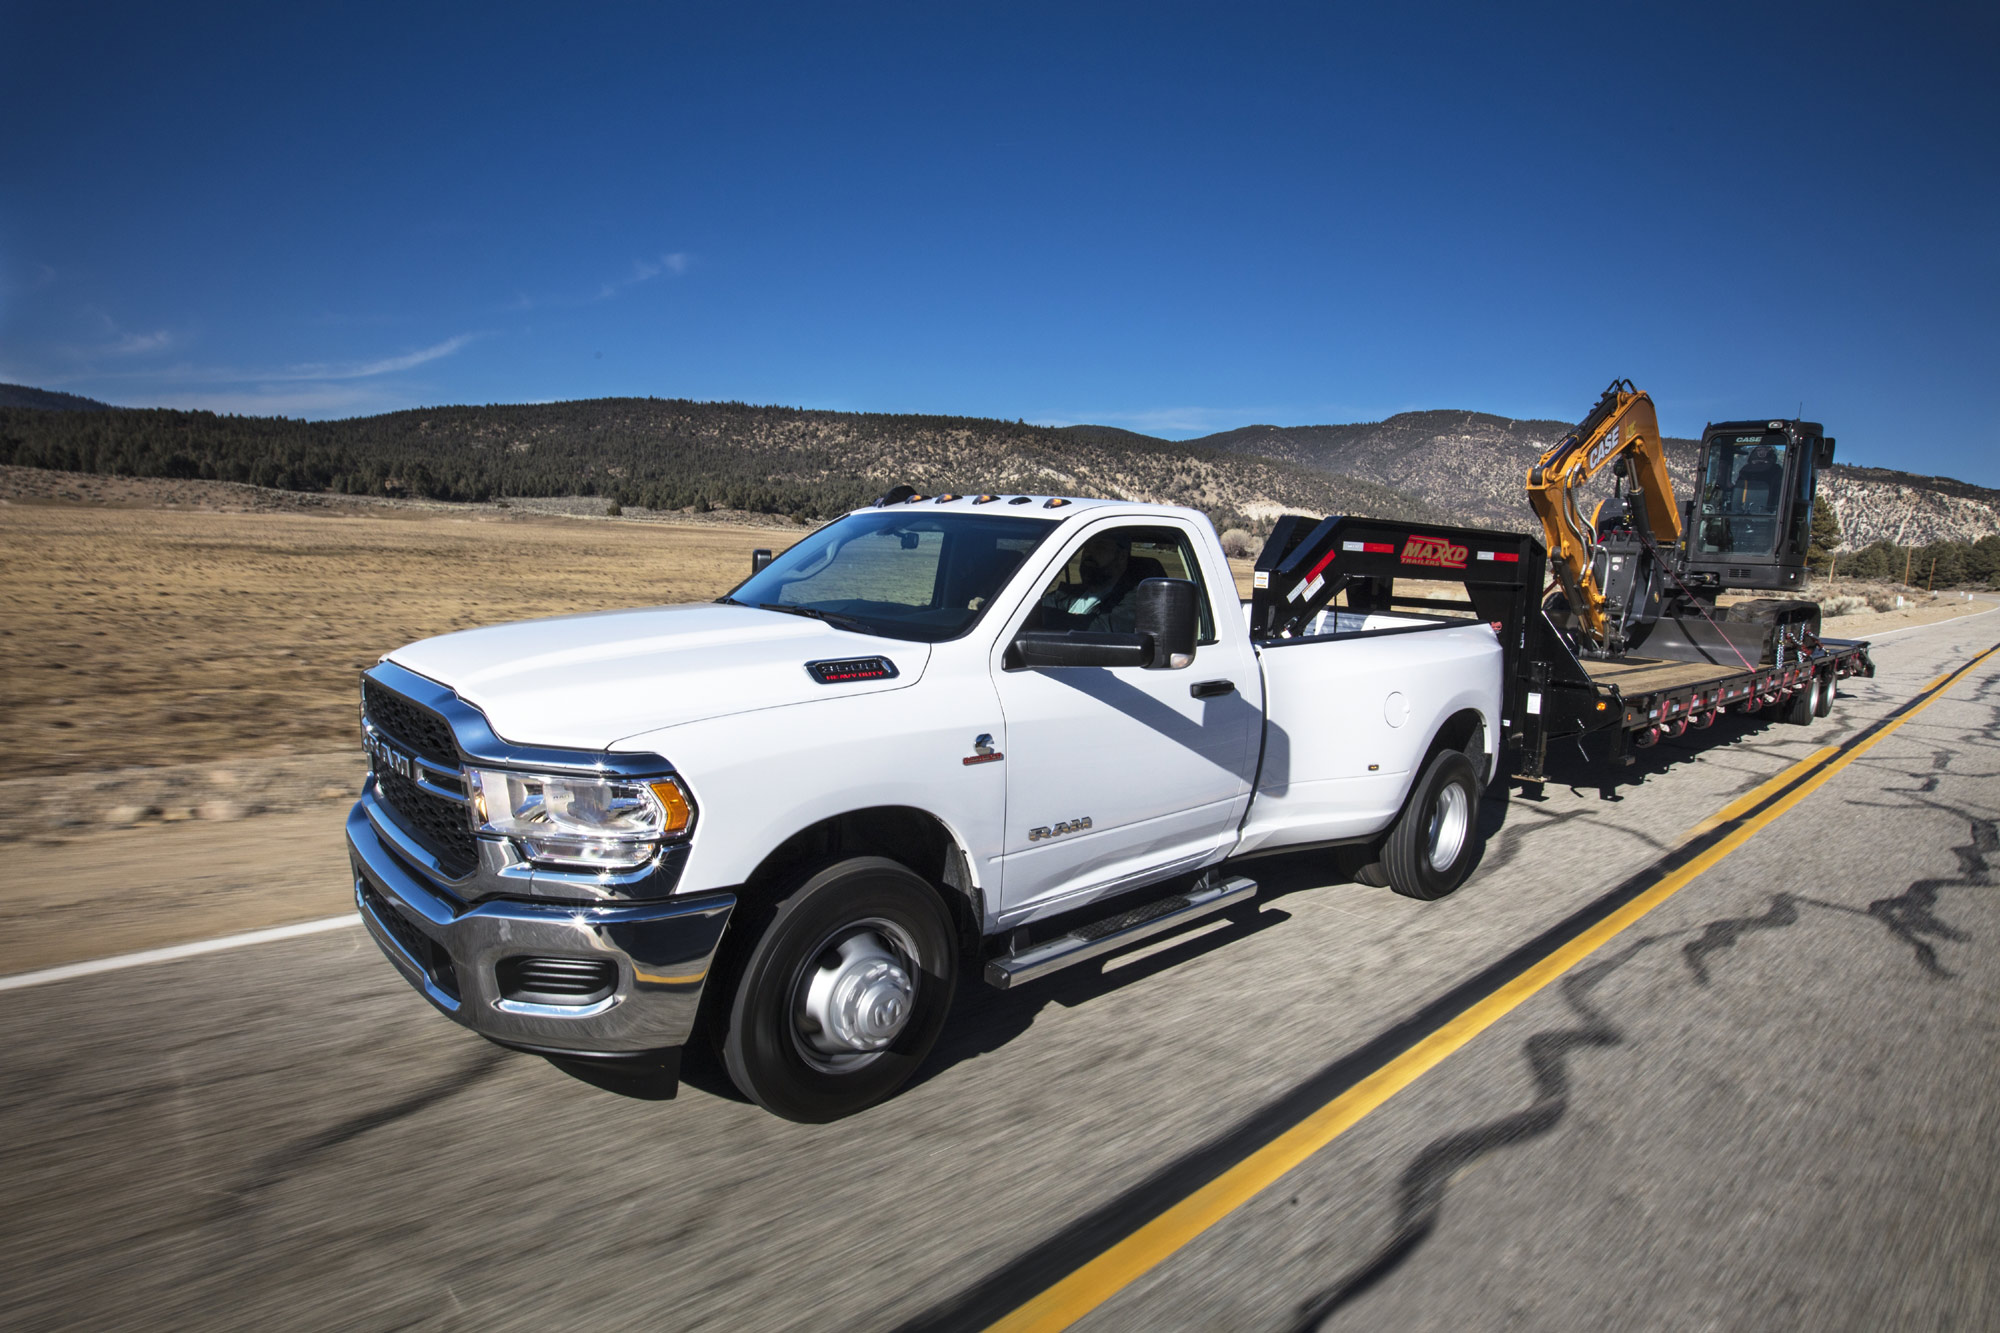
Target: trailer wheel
{"type": "Point", "coordinates": [1823, 695]}
{"type": "Point", "coordinates": [1429, 851]}
{"type": "Point", "coordinates": [844, 994]}
{"type": "Point", "coordinates": [1804, 706]}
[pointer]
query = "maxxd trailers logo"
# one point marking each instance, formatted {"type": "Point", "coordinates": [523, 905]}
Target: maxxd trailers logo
{"type": "Point", "coordinates": [1433, 551]}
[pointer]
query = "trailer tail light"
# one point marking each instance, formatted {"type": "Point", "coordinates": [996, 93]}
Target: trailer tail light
{"type": "Point", "coordinates": [1504, 557]}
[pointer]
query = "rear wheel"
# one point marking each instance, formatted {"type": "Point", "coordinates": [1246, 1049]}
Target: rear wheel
{"type": "Point", "coordinates": [1804, 705]}
{"type": "Point", "coordinates": [1823, 695]}
{"type": "Point", "coordinates": [844, 994]}
{"type": "Point", "coordinates": [1429, 851]}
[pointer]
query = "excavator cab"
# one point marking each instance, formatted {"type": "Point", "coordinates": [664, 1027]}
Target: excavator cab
{"type": "Point", "coordinates": [1750, 521]}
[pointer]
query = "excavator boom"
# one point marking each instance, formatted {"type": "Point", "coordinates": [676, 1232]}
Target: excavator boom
{"type": "Point", "coordinates": [1621, 426]}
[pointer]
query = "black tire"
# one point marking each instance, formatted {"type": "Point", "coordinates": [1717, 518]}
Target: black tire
{"type": "Point", "coordinates": [1823, 697]}
{"type": "Point", "coordinates": [1801, 710]}
{"type": "Point", "coordinates": [1429, 850]}
{"type": "Point", "coordinates": [877, 910]}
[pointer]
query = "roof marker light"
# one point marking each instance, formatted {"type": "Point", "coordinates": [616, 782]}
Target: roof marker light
{"type": "Point", "coordinates": [1054, 502]}
{"type": "Point", "coordinates": [945, 499]}
{"type": "Point", "coordinates": [1021, 499]}
{"type": "Point", "coordinates": [986, 499]}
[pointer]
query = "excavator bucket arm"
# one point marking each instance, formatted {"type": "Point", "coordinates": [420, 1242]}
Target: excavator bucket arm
{"type": "Point", "coordinates": [1622, 425]}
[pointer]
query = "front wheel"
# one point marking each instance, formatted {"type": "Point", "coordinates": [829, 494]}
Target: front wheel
{"type": "Point", "coordinates": [1429, 851]}
{"type": "Point", "coordinates": [845, 993]}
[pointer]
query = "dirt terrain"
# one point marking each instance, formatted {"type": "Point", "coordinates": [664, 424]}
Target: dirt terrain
{"type": "Point", "coordinates": [168, 662]}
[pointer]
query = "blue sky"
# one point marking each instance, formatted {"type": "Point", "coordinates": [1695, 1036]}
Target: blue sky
{"type": "Point", "coordinates": [1176, 219]}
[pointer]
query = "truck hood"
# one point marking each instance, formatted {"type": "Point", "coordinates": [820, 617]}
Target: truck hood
{"type": "Point", "coordinates": [584, 682]}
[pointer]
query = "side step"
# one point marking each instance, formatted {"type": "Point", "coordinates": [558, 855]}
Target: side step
{"type": "Point", "coordinates": [1115, 932]}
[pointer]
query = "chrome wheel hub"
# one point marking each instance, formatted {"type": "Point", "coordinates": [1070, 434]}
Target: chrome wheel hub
{"type": "Point", "coordinates": [858, 994]}
{"type": "Point", "coordinates": [1450, 817]}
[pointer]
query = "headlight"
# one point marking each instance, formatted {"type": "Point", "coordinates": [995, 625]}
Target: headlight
{"type": "Point", "coordinates": [589, 823]}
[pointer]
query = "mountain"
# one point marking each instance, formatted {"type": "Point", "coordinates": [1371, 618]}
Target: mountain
{"type": "Point", "coordinates": [672, 454]}
{"type": "Point", "coordinates": [676, 455]}
{"type": "Point", "coordinates": [1476, 465]}
{"type": "Point", "coordinates": [47, 400]}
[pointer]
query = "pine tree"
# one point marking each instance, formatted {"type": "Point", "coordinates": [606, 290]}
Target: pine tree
{"type": "Point", "coordinates": [1825, 537]}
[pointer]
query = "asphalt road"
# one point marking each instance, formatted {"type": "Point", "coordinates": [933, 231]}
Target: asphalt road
{"type": "Point", "coordinates": [1768, 1104]}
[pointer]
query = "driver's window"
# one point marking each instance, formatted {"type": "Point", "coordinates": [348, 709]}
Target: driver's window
{"type": "Point", "coordinates": [1093, 589]}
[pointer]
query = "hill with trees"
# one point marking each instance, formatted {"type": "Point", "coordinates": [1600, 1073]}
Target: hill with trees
{"type": "Point", "coordinates": [668, 454]}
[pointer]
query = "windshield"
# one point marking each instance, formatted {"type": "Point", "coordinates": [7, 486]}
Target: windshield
{"type": "Point", "coordinates": [900, 573]}
{"type": "Point", "coordinates": [1742, 489]}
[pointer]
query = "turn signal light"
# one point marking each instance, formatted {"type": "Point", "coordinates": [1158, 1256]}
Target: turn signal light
{"type": "Point", "coordinates": [675, 803]}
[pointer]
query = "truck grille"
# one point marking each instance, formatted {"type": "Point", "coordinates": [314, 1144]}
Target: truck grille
{"type": "Point", "coordinates": [440, 824]}
{"type": "Point", "coordinates": [417, 728]}
{"type": "Point", "coordinates": [429, 954]}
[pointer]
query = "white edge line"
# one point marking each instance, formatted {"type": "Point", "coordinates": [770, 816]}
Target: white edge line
{"type": "Point", "coordinates": [141, 959]}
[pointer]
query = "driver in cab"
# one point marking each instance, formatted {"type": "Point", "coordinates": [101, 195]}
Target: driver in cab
{"type": "Point", "coordinates": [1098, 598]}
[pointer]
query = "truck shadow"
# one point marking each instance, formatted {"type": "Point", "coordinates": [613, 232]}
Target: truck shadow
{"type": "Point", "coordinates": [1586, 762]}
{"type": "Point", "coordinates": [984, 1020]}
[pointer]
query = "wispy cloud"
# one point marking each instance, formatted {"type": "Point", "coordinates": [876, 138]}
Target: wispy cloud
{"type": "Point", "coordinates": [359, 370]}
{"type": "Point", "coordinates": [645, 270]}
{"type": "Point", "coordinates": [1168, 420]}
{"type": "Point", "coordinates": [137, 344]}
{"type": "Point", "coordinates": [304, 388]}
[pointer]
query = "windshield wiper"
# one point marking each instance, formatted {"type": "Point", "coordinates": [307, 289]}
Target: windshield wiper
{"type": "Point", "coordinates": [833, 618]}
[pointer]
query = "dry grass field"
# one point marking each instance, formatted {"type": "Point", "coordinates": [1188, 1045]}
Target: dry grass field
{"type": "Point", "coordinates": [133, 637]}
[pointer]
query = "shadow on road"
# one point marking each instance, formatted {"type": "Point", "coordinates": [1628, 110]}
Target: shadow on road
{"type": "Point", "coordinates": [984, 1019]}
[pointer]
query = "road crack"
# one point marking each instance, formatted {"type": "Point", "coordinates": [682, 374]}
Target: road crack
{"type": "Point", "coordinates": [1909, 917]}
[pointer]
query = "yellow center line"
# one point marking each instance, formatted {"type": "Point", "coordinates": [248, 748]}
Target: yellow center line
{"type": "Point", "coordinates": [1073, 1297]}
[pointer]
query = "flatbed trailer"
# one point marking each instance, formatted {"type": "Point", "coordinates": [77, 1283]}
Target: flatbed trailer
{"type": "Point", "coordinates": [1553, 694]}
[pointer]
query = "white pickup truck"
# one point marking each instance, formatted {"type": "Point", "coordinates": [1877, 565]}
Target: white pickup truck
{"type": "Point", "coordinates": [1006, 732]}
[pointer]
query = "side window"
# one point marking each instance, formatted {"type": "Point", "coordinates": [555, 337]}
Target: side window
{"type": "Point", "coordinates": [1092, 591]}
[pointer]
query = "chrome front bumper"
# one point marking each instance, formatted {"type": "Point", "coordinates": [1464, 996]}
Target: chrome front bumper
{"type": "Point", "coordinates": [451, 952]}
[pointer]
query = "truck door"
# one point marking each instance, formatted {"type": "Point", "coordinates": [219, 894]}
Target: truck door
{"type": "Point", "coordinates": [1117, 774]}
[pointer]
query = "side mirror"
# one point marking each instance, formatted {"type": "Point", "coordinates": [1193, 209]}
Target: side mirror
{"type": "Point", "coordinates": [1167, 616]}
{"type": "Point", "coordinates": [1169, 612]}
{"type": "Point", "coordinates": [1077, 648]}
{"type": "Point", "coordinates": [1823, 455]}
{"type": "Point", "coordinates": [758, 559]}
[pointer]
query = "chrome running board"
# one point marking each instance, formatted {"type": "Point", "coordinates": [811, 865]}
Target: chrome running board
{"type": "Point", "coordinates": [1115, 932]}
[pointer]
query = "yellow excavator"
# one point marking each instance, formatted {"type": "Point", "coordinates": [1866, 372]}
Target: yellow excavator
{"type": "Point", "coordinates": [1643, 573]}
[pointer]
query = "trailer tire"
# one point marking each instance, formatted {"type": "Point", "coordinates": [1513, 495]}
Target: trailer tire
{"type": "Point", "coordinates": [845, 992]}
{"type": "Point", "coordinates": [1823, 694]}
{"type": "Point", "coordinates": [1429, 851]}
{"type": "Point", "coordinates": [1803, 707]}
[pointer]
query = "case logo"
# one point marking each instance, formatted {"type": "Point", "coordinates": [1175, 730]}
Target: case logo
{"type": "Point", "coordinates": [1058, 829]}
{"type": "Point", "coordinates": [1433, 551]}
{"type": "Point", "coordinates": [1605, 448]}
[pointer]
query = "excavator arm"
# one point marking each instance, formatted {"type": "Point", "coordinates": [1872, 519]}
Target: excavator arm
{"type": "Point", "coordinates": [1621, 426]}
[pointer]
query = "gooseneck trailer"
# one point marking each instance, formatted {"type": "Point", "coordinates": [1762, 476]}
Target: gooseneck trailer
{"type": "Point", "coordinates": [1553, 693]}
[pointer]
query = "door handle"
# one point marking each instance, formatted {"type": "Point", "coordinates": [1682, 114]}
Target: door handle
{"type": "Point", "coordinates": [1212, 689]}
